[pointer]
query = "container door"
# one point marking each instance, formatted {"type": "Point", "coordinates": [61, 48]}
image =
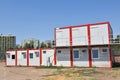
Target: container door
{"type": "Point", "coordinates": [20, 60]}
{"type": "Point", "coordinates": [76, 57]}
{"type": "Point", "coordinates": [95, 57]}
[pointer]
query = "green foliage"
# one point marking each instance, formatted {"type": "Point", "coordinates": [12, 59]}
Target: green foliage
{"type": "Point", "coordinates": [43, 45]}
{"type": "Point", "coordinates": [49, 45]}
{"type": "Point", "coordinates": [27, 45]}
{"type": "Point", "coordinates": [117, 40]}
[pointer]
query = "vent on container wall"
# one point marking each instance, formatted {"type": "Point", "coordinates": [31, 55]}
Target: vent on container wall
{"type": "Point", "coordinates": [84, 50]}
{"type": "Point", "coordinates": [59, 51]}
{"type": "Point", "coordinates": [104, 50]}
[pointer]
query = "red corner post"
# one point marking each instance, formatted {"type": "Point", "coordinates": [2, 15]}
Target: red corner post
{"type": "Point", "coordinates": [90, 58]}
{"type": "Point", "coordinates": [15, 57]}
{"type": "Point", "coordinates": [89, 42]}
{"type": "Point", "coordinates": [88, 30]}
{"type": "Point", "coordinates": [70, 35]}
{"type": "Point", "coordinates": [109, 33]}
{"type": "Point", "coordinates": [27, 57]}
{"type": "Point", "coordinates": [71, 57]}
{"type": "Point", "coordinates": [55, 59]}
{"type": "Point", "coordinates": [71, 52]}
{"type": "Point", "coordinates": [40, 56]}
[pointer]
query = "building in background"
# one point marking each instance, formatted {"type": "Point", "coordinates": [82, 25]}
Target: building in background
{"type": "Point", "coordinates": [30, 43]}
{"type": "Point", "coordinates": [7, 42]}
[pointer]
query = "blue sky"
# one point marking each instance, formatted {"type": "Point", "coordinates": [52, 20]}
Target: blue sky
{"type": "Point", "coordinates": [38, 18]}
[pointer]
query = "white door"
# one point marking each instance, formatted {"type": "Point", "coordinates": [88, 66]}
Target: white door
{"type": "Point", "coordinates": [22, 59]}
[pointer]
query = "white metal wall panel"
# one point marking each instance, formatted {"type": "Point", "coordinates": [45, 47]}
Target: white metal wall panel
{"type": "Point", "coordinates": [63, 58]}
{"type": "Point", "coordinates": [10, 61]}
{"type": "Point", "coordinates": [83, 60]}
{"type": "Point", "coordinates": [21, 61]}
{"type": "Point", "coordinates": [79, 36]}
{"type": "Point", "coordinates": [62, 37]}
{"type": "Point", "coordinates": [103, 60]}
{"type": "Point", "coordinates": [99, 34]}
{"type": "Point", "coordinates": [35, 61]}
{"type": "Point", "coordinates": [48, 57]}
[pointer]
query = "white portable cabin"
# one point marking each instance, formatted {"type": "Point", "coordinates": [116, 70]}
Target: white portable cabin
{"type": "Point", "coordinates": [85, 45]}
{"type": "Point", "coordinates": [79, 36]}
{"type": "Point", "coordinates": [62, 37]}
{"type": "Point", "coordinates": [81, 57]}
{"type": "Point", "coordinates": [47, 57]}
{"type": "Point", "coordinates": [89, 34]}
{"type": "Point", "coordinates": [100, 34]}
{"type": "Point", "coordinates": [63, 57]}
{"type": "Point", "coordinates": [30, 57]}
{"type": "Point", "coordinates": [10, 58]}
{"type": "Point", "coordinates": [34, 57]}
{"type": "Point", "coordinates": [21, 59]}
{"type": "Point", "coordinates": [67, 58]}
{"type": "Point", "coordinates": [101, 57]}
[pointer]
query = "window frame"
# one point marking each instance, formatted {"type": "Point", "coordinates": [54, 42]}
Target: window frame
{"type": "Point", "coordinates": [78, 54]}
{"type": "Point", "coordinates": [98, 53]}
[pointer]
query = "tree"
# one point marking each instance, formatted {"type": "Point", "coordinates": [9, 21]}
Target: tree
{"type": "Point", "coordinates": [18, 46]}
{"type": "Point", "coordinates": [49, 45]}
{"type": "Point", "coordinates": [117, 41]}
{"type": "Point", "coordinates": [31, 44]}
{"type": "Point", "coordinates": [27, 45]}
{"type": "Point", "coordinates": [43, 45]}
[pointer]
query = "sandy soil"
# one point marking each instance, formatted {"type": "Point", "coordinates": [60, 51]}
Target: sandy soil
{"type": "Point", "coordinates": [23, 73]}
{"type": "Point", "coordinates": [32, 73]}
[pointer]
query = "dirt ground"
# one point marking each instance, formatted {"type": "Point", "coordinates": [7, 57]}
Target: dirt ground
{"type": "Point", "coordinates": [33, 73]}
{"type": "Point", "coordinates": [22, 73]}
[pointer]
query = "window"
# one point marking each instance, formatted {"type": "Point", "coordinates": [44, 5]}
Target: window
{"type": "Point", "coordinates": [59, 51]}
{"type": "Point", "coordinates": [8, 55]}
{"type": "Point", "coordinates": [31, 55]}
{"type": "Point", "coordinates": [37, 54]}
{"type": "Point", "coordinates": [95, 54]}
{"type": "Point", "coordinates": [76, 54]}
{"type": "Point", "coordinates": [13, 56]}
{"type": "Point", "coordinates": [24, 55]}
{"type": "Point", "coordinates": [44, 52]}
